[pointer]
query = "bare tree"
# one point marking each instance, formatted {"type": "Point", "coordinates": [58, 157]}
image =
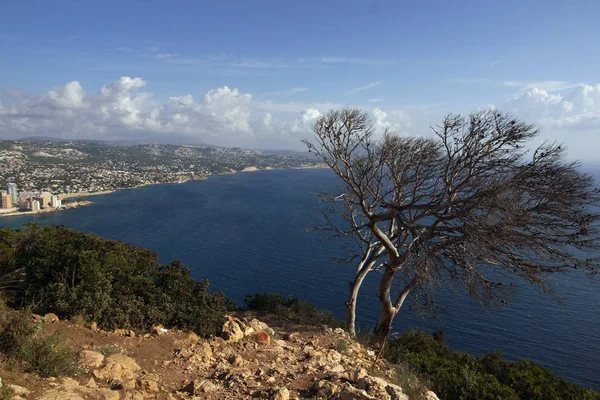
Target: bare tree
{"type": "Point", "coordinates": [464, 205]}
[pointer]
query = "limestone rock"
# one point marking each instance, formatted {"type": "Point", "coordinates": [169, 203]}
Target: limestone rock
{"type": "Point", "coordinates": [148, 383]}
{"type": "Point", "coordinates": [19, 390]}
{"type": "Point", "coordinates": [237, 361]}
{"type": "Point", "coordinates": [51, 317]}
{"type": "Point", "coordinates": [124, 332]}
{"type": "Point", "coordinates": [352, 375]}
{"type": "Point", "coordinates": [324, 388]}
{"type": "Point", "coordinates": [260, 326]}
{"type": "Point", "coordinates": [232, 332]}
{"type": "Point", "coordinates": [69, 389]}
{"type": "Point", "coordinates": [159, 330]}
{"type": "Point", "coordinates": [375, 386]}
{"type": "Point", "coordinates": [431, 396]}
{"type": "Point", "coordinates": [91, 383]}
{"type": "Point", "coordinates": [396, 392]}
{"type": "Point", "coordinates": [199, 386]}
{"type": "Point", "coordinates": [117, 367]}
{"type": "Point", "coordinates": [204, 351]}
{"type": "Point", "coordinates": [280, 394]}
{"type": "Point", "coordinates": [349, 392]}
{"type": "Point", "coordinates": [91, 359]}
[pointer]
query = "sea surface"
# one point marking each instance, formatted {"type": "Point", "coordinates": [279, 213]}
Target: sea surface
{"type": "Point", "coordinates": [244, 232]}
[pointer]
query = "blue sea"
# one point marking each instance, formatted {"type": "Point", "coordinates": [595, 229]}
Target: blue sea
{"type": "Point", "coordinates": [244, 232]}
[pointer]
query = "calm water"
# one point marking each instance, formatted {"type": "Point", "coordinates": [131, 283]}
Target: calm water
{"type": "Point", "coordinates": [243, 233]}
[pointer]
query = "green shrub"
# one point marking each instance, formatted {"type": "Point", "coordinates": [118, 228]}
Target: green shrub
{"type": "Point", "coordinates": [455, 375]}
{"type": "Point", "coordinates": [48, 357]}
{"type": "Point", "coordinates": [117, 285]}
{"type": "Point", "coordinates": [5, 393]}
{"type": "Point", "coordinates": [291, 308]}
{"type": "Point", "coordinates": [22, 346]}
{"type": "Point", "coordinates": [108, 350]}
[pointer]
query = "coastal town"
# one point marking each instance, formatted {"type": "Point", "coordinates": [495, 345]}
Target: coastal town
{"type": "Point", "coordinates": [40, 174]}
{"type": "Point", "coordinates": [14, 202]}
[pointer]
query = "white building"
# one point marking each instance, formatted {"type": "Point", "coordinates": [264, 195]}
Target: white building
{"type": "Point", "coordinates": [55, 201]}
{"type": "Point", "coordinates": [35, 206]}
{"type": "Point", "coordinates": [12, 190]}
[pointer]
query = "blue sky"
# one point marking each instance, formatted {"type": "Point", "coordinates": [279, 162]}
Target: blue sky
{"type": "Point", "coordinates": [256, 74]}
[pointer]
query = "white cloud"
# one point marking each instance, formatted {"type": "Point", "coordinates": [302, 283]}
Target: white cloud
{"type": "Point", "coordinates": [267, 120]}
{"type": "Point", "coordinates": [304, 122]}
{"type": "Point", "coordinates": [365, 87]}
{"type": "Point", "coordinates": [396, 120]}
{"type": "Point", "coordinates": [124, 109]}
{"type": "Point", "coordinates": [571, 116]}
{"type": "Point", "coordinates": [375, 100]}
{"type": "Point", "coordinates": [288, 92]}
{"type": "Point", "coordinates": [550, 86]}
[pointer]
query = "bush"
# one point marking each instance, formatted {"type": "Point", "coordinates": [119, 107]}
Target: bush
{"type": "Point", "coordinates": [5, 393]}
{"type": "Point", "coordinates": [46, 356]}
{"type": "Point", "coordinates": [456, 375]}
{"type": "Point", "coordinates": [291, 308]}
{"type": "Point", "coordinates": [117, 285]}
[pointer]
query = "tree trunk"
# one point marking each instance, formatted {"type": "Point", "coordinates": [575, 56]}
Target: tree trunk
{"type": "Point", "coordinates": [388, 312]}
{"type": "Point", "coordinates": [352, 297]}
{"type": "Point", "coordinates": [389, 309]}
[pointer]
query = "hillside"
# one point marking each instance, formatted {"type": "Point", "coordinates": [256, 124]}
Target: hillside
{"type": "Point", "coordinates": [251, 360]}
{"type": "Point", "coordinates": [91, 166]}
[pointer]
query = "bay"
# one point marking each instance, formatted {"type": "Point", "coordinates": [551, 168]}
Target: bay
{"type": "Point", "coordinates": [243, 232]}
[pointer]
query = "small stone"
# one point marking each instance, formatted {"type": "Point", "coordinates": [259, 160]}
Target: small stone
{"type": "Point", "coordinates": [263, 337]}
{"type": "Point", "coordinates": [232, 332]}
{"type": "Point", "coordinates": [237, 361]}
{"type": "Point", "coordinates": [91, 383]}
{"type": "Point", "coordinates": [158, 330]}
{"type": "Point", "coordinates": [199, 386]}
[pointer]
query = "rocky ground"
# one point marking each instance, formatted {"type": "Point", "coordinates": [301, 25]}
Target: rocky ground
{"type": "Point", "coordinates": [251, 360]}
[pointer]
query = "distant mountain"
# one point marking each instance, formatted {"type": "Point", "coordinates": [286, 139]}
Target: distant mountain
{"type": "Point", "coordinates": [176, 140]}
{"type": "Point", "coordinates": [42, 139]}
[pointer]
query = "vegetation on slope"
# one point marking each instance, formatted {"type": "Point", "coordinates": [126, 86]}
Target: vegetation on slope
{"type": "Point", "coordinates": [23, 346]}
{"type": "Point", "coordinates": [291, 308]}
{"type": "Point", "coordinates": [456, 375]}
{"type": "Point", "coordinates": [114, 284]}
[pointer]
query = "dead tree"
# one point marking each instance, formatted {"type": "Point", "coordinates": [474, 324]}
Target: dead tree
{"type": "Point", "coordinates": [470, 202]}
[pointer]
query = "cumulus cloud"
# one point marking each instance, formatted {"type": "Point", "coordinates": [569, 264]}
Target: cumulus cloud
{"type": "Point", "coordinates": [571, 115]}
{"type": "Point", "coordinates": [550, 86]}
{"type": "Point", "coordinates": [575, 108]}
{"type": "Point", "coordinates": [396, 120]}
{"type": "Point", "coordinates": [125, 109]}
{"type": "Point", "coordinates": [267, 120]}
{"type": "Point", "coordinates": [304, 122]}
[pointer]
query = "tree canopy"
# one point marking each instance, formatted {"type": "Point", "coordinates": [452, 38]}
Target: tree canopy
{"type": "Point", "coordinates": [472, 199]}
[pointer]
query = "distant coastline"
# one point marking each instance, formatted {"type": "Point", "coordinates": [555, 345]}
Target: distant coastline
{"type": "Point", "coordinates": [68, 206]}
{"type": "Point", "coordinates": [77, 204]}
